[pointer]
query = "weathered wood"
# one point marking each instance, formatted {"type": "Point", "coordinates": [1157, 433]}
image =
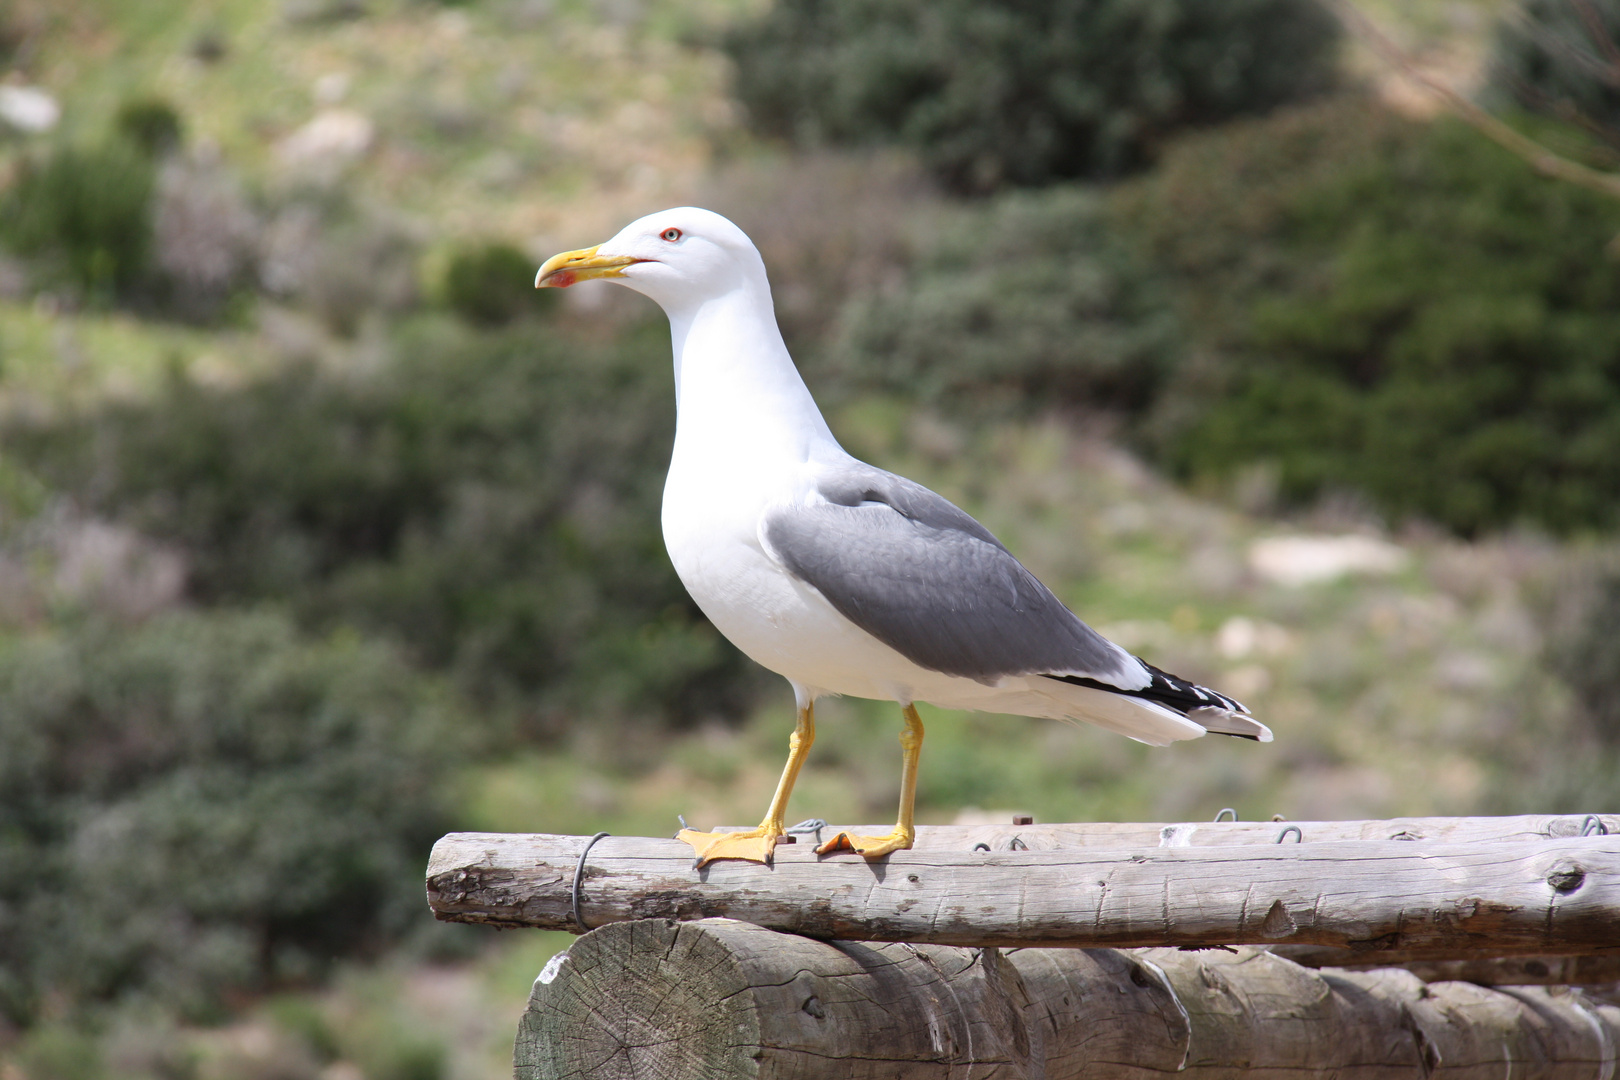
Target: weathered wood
{"type": "Point", "coordinates": [1597, 968]}
{"type": "Point", "coordinates": [722, 1000]}
{"type": "Point", "coordinates": [1117, 834]}
{"type": "Point", "coordinates": [1557, 897]}
{"type": "Point", "coordinates": [725, 999]}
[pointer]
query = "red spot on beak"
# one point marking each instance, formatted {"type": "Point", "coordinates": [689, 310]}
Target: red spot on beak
{"type": "Point", "coordinates": [562, 279]}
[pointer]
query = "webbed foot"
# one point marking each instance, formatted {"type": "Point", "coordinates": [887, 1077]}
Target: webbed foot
{"type": "Point", "coordinates": [868, 847]}
{"type": "Point", "coordinates": [754, 845]}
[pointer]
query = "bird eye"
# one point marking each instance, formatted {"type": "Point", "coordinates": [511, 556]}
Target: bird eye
{"type": "Point", "coordinates": [671, 235]}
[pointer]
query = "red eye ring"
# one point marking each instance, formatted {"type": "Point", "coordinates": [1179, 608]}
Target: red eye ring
{"type": "Point", "coordinates": [671, 235]}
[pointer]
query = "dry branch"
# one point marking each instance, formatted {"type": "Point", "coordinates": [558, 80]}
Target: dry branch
{"type": "Point", "coordinates": [1430, 900]}
{"type": "Point", "coordinates": [724, 1000]}
{"type": "Point", "coordinates": [1539, 157]}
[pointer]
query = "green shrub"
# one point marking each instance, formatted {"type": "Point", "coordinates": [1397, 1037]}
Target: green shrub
{"type": "Point", "coordinates": [151, 124]}
{"type": "Point", "coordinates": [1028, 301]}
{"type": "Point", "coordinates": [86, 212]}
{"type": "Point", "coordinates": [343, 259]}
{"type": "Point", "coordinates": [1025, 93]}
{"type": "Point", "coordinates": [206, 802]}
{"type": "Point", "coordinates": [1216, 216]}
{"type": "Point", "coordinates": [1588, 656]}
{"type": "Point", "coordinates": [490, 501]}
{"type": "Point", "coordinates": [1556, 57]}
{"type": "Point", "coordinates": [1435, 326]}
{"type": "Point", "coordinates": [492, 284]}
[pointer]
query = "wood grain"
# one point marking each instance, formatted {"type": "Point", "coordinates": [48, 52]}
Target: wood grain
{"type": "Point", "coordinates": [722, 1000]}
{"type": "Point", "coordinates": [1426, 899]}
{"type": "Point", "coordinates": [1112, 834]}
{"type": "Point", "coordinates": [1598, 968]}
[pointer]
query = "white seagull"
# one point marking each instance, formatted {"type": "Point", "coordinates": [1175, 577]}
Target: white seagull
{"type": "Point", "coordinates": [839, 576]}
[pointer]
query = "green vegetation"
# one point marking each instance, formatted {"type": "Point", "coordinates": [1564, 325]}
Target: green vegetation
{"type": "Point", "coordinates": [1556, 57]}
{"type": "Point", "coordinates": [151, 124]}
{"type": "Point", "coordinates": [321, 532]}
{"type": "Point", "coordinates": [1587, 655]}
{"type": "Point", "coordinates": [1325, 295]}
{"type": "Point", "coordinates": [1027, 301]}
{"type": "Point", "coordinates": [205, 803]}
{"type": "Point", "coordinates": [490, 502]}
{"type": "Point", "coordinates": [1029, 93]}
{"type": "Point", "coordinates": [85, 213]}
{"type": "Point", "coordinates": [492, 284]}
{"type": "Point", "coordinates": [1437, 303]}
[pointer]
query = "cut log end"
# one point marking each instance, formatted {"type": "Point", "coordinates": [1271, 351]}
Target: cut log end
{"type": "Point", "coordinates": [608, 1007]}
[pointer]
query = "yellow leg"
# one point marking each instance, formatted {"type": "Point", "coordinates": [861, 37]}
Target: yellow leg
{"type": "Point", "coordinates": [757, 845]}
{"type": "Point", "coordinates": [905, 831]}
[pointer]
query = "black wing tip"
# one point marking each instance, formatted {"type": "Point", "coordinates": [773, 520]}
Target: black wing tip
{"type": "Point", "coordinates": [1183, 689]}
{"type": "Point", "coordinates": [1171, 691]}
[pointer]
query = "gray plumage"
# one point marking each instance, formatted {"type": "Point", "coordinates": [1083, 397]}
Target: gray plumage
{"type": "Point", "coordinates": [920, 575]}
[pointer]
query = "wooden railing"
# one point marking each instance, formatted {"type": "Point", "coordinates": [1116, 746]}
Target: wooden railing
{"type": "Point", "coordinates": [1060, 951]}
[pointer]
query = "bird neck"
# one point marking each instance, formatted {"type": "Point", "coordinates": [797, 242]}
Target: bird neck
{"type": "Point", "coordinates": [736, 387]}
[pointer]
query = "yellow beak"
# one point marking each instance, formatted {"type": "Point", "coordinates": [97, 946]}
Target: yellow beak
{"type": "Point", "coordinates": [561, 271]}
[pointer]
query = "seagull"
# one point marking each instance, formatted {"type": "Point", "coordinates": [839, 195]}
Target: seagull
{"type": "Point", "coordinates": [839, 576]}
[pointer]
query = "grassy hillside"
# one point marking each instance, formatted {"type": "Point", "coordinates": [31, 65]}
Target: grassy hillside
{"type": "Point", "coordinates": [443, 524]}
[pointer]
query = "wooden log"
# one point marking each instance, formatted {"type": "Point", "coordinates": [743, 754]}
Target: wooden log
{"type": "Point", "coordinates": [1597, 968]}
{"type": "Point", "coordinates": [1115, 834]}
{"type": "Point", "coordinates": [1555, 897]}
{"type": "Point", "coordinates": [723, 1000]}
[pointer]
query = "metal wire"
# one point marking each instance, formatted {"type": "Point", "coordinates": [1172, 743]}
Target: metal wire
{"type": "Point", "coordinates": [579, 876]}
{"type": "Point", "coordinates": [1593, 824]}
{"type": "Point", "coordinates": [1299, 837]}
{"type": "Point", "coordinates": [808, 825]}
{"type": "Point", "coordinates": [1221, 814]}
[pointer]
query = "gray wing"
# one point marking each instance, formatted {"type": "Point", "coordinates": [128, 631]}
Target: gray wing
{"type": "Point", "coordinates": [924, 578]}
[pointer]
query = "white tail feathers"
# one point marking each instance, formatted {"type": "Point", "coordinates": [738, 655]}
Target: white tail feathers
{"type": "Point", "coordinates": [1227, 722]}
{"type": "Point", "coordinates": [1133, 717]}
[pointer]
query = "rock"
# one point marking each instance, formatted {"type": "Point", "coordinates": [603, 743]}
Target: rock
{"type": "Point", "coordinates": [1314, 560]}
{"type": "Point", "coordinates": [28, 108]}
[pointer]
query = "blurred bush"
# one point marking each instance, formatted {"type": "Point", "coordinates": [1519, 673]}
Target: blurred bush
{"type": "Point", "coordinates": [1431, 323]}
{"type": "Point", "coordinates": [1587, 654]}
{"type": "Point", "coordinates": [490, 501]}
{"type": "Point", "coordinates": [204, 234]}
{"type": "Point", "coordinates": [1217, 214]}
{"type": "Point", "coordinates": [1026, 301]}
{"type": "Point", "coordinates": [491, 284]}
{"type": "Point", "coordinates": [83, 212]}
{"type": "Point", "coordinates": [829, 225]}
{"type": "Point", "coordinates": [151, 124]}
{"type": "Point", "coordinates": [1557, 58]}
{"type": "Point", "coordinates": [992, 94]}
{"type": "Point", "coordinates": [342, 259]}
{"type": "Point", "coordinates": [206, 802]}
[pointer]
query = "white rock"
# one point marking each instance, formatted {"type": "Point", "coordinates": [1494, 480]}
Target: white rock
{"type": "Point", "coordinates": [1311, 560]}
{"type": "Point", "coordinates": [331, 88]}
{"type": "Point", "coordinates": [333, 137]}
{"type": "Point", "coordinates": [28, 108]}
{"type": "Point", "coordinates": [1241, 636]}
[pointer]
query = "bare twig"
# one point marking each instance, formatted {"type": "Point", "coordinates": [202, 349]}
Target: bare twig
{"type": "Point", "coordinates": [1540, 158]}
{"type": "Point", "coordinates": [1599, 32]}
{"type": "Point", "coordinates": [1554, 44]}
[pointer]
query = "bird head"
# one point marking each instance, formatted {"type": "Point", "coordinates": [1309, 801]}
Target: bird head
{"type": "Point", "coordinates": [677, 257]}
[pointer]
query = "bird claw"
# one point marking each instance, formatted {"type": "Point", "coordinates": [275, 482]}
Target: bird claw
{"type": "Point", "coordinates": [867, 847]}
{"type": "Point", "coordinates": [754, 845]}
